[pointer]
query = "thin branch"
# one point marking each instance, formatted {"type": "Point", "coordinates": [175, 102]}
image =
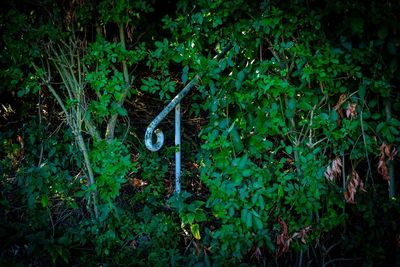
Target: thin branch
{"type": "Point", "coordinates": [271, 49]}
{"type": "Point", "coordinates": [40, 123]}
{"type": "Point", "coordinates": [369, 174]}
{"type": "Point", "coordinates": [112, 122]}
{"type": "Point", "coordinates": [56, 96]}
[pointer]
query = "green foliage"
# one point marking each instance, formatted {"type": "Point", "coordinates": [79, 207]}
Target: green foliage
{"type": "Point", "coordinates": [21, 35]}
{"type": "Point", "coordinates": [156, 243]}
{"type": "Point", "coordinates": [273, 124]}
{"type": "Point", "coordinates": [163, 85]}
{"type": "Point", "coordinates": [190, 213]}
{"type": "Point", "coordinates": [111, 164]}
{"type": "Point", "coordinates": [42, 190]}
{"type": "Point", "coordinates": [121, 11]}
{"type": "Point", "coordinates": [303, 103]}
{"type": "Point", "coordinates": [105, 79]}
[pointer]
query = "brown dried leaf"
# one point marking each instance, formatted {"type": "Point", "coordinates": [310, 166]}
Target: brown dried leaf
{"type": "Point", "coordinates": [137, 183]}
{"type": "Point", "coordinates": [284, 228]}
{"type": "Point", "coordinates": [354, 184]}
{"type": "Point", "coordinates": [338, 108]}
{"type": "Point", "coordinates": [389, 152]}
{"type": "Point", "coordinates": [336, 166]}
{"type": "Point", "coordinates": [348, 198]}
{"type": "Point", "coordinates": [382, 169]}
{"type": "Point", "coordinates": [282, 240]}
{"type": "Point", "coordinates": [133, 244]}
{"type": "Point", "coordinates": [19, 154]}
{"type": "Point", "coordinates": [334, 170]}
{"type": "Point", "coordinates": [351, 110]}
{"type": "Point", "coordinates": [302, 234]}
{"type": "Point", "coordinates": [329, 174]}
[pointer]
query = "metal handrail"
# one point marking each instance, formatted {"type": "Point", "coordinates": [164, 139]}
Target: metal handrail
{"type": "Point", "coordinates": [175, 103]}
{"type": "Point", "coordinates": [152, 126]}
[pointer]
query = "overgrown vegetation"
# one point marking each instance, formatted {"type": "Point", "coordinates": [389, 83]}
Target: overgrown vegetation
{"type": "Point", "coordinates": [289, 141]}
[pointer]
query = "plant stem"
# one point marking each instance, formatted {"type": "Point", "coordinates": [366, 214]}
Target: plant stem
{"type": "Point", "coordinates": [369, 173]}
{"type": "Point", "coordinates": [82, 147]}
{"type": "Point", "coordinates": [72, 116]}
{"type": "Point", "coordinates": [111, 124]}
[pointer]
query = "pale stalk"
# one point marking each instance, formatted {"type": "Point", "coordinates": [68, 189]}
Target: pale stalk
{"type": "Point", "coordinates": [113, 120]}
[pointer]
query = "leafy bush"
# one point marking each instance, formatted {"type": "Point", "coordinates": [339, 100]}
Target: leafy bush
{"type": "Point", "coordinates": [290, 138]}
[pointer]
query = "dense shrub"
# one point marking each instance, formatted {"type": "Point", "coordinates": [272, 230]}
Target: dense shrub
{"type": "Point", "coordinates": [289, 144]}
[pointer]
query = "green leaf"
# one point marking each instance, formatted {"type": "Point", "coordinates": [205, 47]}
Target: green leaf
{"type": "Point", "coordinates": [195, 229]}
{"type": "Point", "coordinates": [159, 44]}
{"type": "Point", "coordinates": [394, 122]}
{"type": "Point", "coordinates": [361, 92]}
{"type": "Point", "coordinates": [122, 111]}
{"type": "Point", "coordinates": [45, 201]}
{"type": "Point", "coordinates": [381, 126]}
{"type": "Point", "coordinates": [258, 223]}
{"type": "Point", "coordinates": [249, 220]}
{"type": "Point", "coordinates": [261, 202]}
{"type": "Point", "coordinates": [376, 116]}
{"type": "Point", "coordinates": [79, 193]}
{"type": "Point", "coordinates": [118, 96]}
{"type": "Point", "coordinates": [291, 108]}
{"type": "Point", "coordinates": [240, 76]}
{"type": "Point", "coordinates": [393, 130]}
{"type": "Point", "coordinates": [200, 216]}
{"type": "Point", "coordinates": [243, 215]}
{"type": "Point", "coordinates": [185, 74]}
{"type": "Point", "coordinates": [280, 191]}
{"type": "Point", "coordinates": [289, 149]}
{"type": "Point", "coordinates": [246, 172]}
{"type": "Point", "coordinates": [190, 218]}
{"type": "Point", "coordinates": [237, 142]}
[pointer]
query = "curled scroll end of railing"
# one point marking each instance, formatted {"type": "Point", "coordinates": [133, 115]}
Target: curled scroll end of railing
{"type": "Point", "coordinates": [148, 139]}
